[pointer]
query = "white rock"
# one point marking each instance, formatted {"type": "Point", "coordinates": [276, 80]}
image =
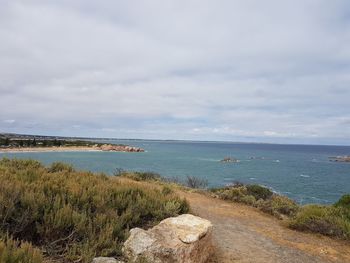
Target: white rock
{"type": "Point", "coordinates": [185, 238]}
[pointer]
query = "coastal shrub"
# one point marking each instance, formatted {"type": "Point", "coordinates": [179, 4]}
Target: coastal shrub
{"type": "Point", "coordinates": [167, 190]}
{"type": "Point", "coordinates": [172, 180]}
{"type": "Point", "coordinates": [60, 167]}
{"type": "Point", "coordinates": [196, 182]}
{"type": "Point", "coordinates": [325, 220]}
{"type": "Point", "coordinates": [233, 193]}
{"type": "Point", "coordinates": [344, 201]}
{"type": "Point", "coordinates": [75, 215]}
{"type": "Point", "coordinates": [119, 172]}
{"type": "Point", "coordinates": [284, 205]}
{"type": "Point", "coordinates": [142, 176]}
{"type": "Point", "coordinates": [13, 251]}
{"type": "Point", "coordinates": [16, 164]}
{"type": "Point", "coordinates": [259, 197]}
{"type": "Point", "coordinates": [172, 207]}
{"type": "Point", "coordinates": [278, 205]}
{"type": "Point", "coordinates": [190, 181]}
{"type": "Point", "coordinates": [258, 191]}
{"type": "Point", "coordinates": [248, 200]}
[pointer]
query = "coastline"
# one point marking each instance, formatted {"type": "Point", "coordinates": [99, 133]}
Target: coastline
{"type": "Point", "coordinates": [95, 148]}
{"type": "Point", "coordinates": [51, 149]}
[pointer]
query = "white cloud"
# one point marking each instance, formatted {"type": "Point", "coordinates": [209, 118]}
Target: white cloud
{"type": "Point", "coordinates": [9, 121]}
{"type": "Point", "coordinates": [177, 69]}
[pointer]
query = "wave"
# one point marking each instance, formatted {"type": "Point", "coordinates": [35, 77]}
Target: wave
{"type": "Point", "coordinates": [208, 159]}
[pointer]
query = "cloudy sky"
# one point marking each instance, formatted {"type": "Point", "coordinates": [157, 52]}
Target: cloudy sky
{"type": "Point", "coordinates": [264, 71]}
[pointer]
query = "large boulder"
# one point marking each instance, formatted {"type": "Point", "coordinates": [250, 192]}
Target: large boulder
{"type": "Point", "coordinates": [185, 238]}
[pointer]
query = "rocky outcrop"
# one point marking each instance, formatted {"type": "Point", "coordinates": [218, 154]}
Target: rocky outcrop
{"type": "Point", "coordinates": [230, 160]}
{"type": "Point", "coordinates": [185, 238]}
{"type": "Point", "coordinates": [345, 159]}
{"type": "Point", "coordinates": [120, 148]}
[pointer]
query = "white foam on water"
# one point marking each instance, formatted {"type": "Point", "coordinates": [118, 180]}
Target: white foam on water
{"type": "Point", "coordinates": [208, 159]}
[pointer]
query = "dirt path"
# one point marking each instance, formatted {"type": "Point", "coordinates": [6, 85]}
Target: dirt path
{"type": "Point", "coordinates": [244, 234]}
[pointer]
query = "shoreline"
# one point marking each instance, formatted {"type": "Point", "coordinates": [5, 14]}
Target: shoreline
{"type": "Point", "coordinates": [103, 148]}
{"type": "Point", "coordinates": [51, 149]}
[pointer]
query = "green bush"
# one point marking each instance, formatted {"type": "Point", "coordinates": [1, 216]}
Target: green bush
{"type": "Point", "coordinates": [142, 176]}
{"type": "Point", "coordinates": [196, 182]}
{"type": "Point", "coordinates": [167, 190]}
{"type": "Point", "coordinates": [12, 251]}
{"type": "Point", "coordinates": [75, 215]}
{"type": "Point", "coordinates": [284, 205]}
{"type": "Point", "coordinates": [326, 220]}
{"type": "Point", "coordinates": [278, 205]}
{"type": "Point", "coordinates": [60, 167]}
{"type": "Point", "coordinates": [344, 201]}
{"type": "Point", "coordinates": [248, 200]}
{"type": "Point", "coordinates": [259, 192]}
{"type": "Point", "coordinates": [233, 194]}
{"type": "Point", "coordinates": [258, 196]}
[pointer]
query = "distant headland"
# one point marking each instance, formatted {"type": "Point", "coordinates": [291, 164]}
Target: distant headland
{"type": "Point", "coordinates": [34, 143]}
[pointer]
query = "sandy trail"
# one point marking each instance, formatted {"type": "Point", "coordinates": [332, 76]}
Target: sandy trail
{"type": "Point", "coordinates": [244, 234]}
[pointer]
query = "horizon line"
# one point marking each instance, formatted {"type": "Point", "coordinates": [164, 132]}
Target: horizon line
{"type": "Point", "coordinates": [174, 140]}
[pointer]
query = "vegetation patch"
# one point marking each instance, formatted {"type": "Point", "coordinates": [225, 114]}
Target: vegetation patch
{"type": "Point", "coordinates": [73, 215]}
{"type": "Point", "coordinates": [344, 202]}
{"type": "Point", "coordinates": [195, 182]}
{"type": "Point", "coordinates": [14, 251]}
{"type": "Point", "coordinates": [258, 196]}
{"type": "Point", "coordinates": [140, 176]}
{"type": "Point", "coordinates": [331, 221]}
{"type": "Point", "coordinates": [33, 142]}
{"type": "Point", "coordinates": [190, 181]}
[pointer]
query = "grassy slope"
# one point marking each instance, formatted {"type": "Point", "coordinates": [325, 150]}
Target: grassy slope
{"type": "Point", "coordinates": [72, 215]}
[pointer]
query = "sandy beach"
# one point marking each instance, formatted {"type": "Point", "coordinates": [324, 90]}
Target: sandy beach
{"type": "Point", "coordinates": [52, 149]}
{"type": "Point", "coordinates": [92, 148]}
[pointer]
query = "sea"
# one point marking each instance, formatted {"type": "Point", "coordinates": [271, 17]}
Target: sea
{"type": "Point", "coordinates": [301, 172]}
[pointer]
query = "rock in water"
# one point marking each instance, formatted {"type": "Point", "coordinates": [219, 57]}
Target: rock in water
{"type": "Point", "coordinates": [185, 238]}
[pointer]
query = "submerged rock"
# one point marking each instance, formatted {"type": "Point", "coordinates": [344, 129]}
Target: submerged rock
{"type": "Point", "coordinates": [185, 238]}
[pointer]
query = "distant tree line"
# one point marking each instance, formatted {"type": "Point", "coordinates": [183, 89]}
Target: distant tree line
{"type": "Point", "coordinates": [21, 143]}
{"type": "Point", "coordinates": [7, 142]}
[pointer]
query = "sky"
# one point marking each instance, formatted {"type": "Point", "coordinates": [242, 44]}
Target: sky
{"type": "Point", "coordinates": [249, 71]}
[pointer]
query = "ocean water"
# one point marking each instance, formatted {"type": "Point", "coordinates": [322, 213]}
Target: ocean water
{"type": "Point", "coordinates": [302, 172]}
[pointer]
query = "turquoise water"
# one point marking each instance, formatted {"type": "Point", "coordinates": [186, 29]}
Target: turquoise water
{"type": "Point", "coordinates": [299, 171]}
